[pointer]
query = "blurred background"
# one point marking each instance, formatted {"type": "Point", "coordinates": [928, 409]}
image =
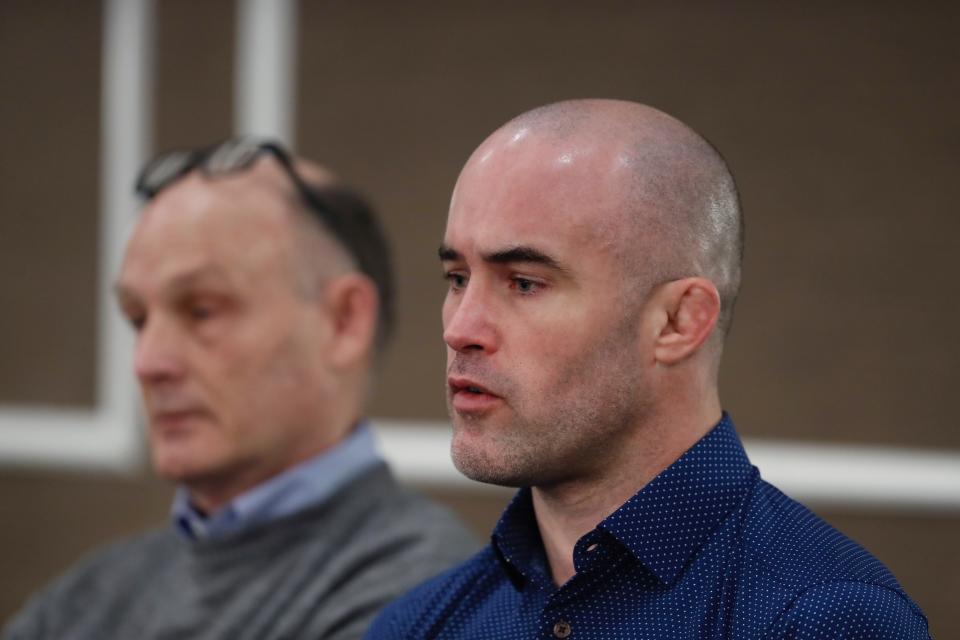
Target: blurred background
{"type": "Point", "coordinates": [841, 122]}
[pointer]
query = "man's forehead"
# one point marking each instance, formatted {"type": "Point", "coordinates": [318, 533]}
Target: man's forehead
{"type": "Point", "coordinates": [220, 204]}
{"type": "Point", "coordinates": [262, 185]}
{"type": "Point", "coordinates": [532, 194]}
{"type": "Point", "coordinates": [527, 163]}
{"type": "Point", "coordinates": [532, 146]}
{"type": "Point", "coordinates": [199, 220]}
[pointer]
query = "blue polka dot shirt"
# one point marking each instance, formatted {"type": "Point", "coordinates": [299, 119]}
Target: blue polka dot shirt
{"type": "Point", "coordinates": [706, 550]}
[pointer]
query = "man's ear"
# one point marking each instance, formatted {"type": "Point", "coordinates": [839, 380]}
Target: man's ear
{"type": "Point", "coordinates": [352, 302]}
{"type": "Point", "coordinates": [687, 312]}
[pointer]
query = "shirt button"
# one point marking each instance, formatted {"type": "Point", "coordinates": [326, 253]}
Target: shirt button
{"type": "Point", "coordinates": [562, 629]}
{"type": "Point", "coordinates": [593, 547]}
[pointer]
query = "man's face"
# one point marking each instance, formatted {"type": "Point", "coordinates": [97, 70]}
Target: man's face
{"type": "Point", "coordinates": [229, 354]}
{"type": "Point", "coordinates": [543, 356]}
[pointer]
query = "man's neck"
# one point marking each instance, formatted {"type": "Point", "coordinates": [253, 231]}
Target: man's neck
{"type": "Point", "coordinates": [566, 512]}
{"type": "Point", "coordinates": [564, 515]}
{"type": "Point", "coordinates": [212, 493]}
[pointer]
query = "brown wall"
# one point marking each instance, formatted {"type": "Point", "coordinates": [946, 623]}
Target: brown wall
{"type": "Point", "coordinates": [49, 118]}
{"type": "Point", "coordinates": [840, 124]}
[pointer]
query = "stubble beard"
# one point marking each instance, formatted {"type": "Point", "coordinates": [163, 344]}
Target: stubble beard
{"type": "Point", "coordinates": [543, 446]}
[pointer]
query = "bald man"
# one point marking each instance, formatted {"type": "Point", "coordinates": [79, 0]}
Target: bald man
{"type": "Point", "coordinates": [593, 253]}
{"type": "Point", "coordinates": [260, 292]}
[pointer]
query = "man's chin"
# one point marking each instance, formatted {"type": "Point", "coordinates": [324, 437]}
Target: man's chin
{"type": "Point", "coordinates": [178, 462]}
{"type": "Point", "coordinates": [478, 463]}
{"type": "Point", "coordinates": [177, 471]}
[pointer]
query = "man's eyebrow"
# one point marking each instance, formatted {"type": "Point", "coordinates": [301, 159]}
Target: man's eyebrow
{"type": "Point", "coordinates": [206, 274]}
{"type": "Point", "coordinates": [212, 274]}
{"type": "Point", "coordinates": [524, 255]}
{"type": "Point", "coordinates": [447, 254]}
{"type": "Point", "coordinates": [520, 254]}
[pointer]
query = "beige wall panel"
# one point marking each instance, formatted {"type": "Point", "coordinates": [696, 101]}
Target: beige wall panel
{"type": "Point", "coordinates": [49, 156]}
{"type": "Point", "coordinates": [840, 124]}
{"type": "Point", "coordinates": [194, 72]}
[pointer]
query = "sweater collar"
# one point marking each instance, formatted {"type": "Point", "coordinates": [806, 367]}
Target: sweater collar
{"type": "Point", "coordinates": [301, 487]}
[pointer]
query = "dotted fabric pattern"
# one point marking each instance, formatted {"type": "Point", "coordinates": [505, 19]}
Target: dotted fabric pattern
{"type": "Point", "coordinates": [705, 550]}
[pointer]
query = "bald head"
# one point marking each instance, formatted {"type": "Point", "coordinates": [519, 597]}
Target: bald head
{"type": "Point", "coordinates": [675, 209]}
{"type": "Point", "coordinates": [590, 247]}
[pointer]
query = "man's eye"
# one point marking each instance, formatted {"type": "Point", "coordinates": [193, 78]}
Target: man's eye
{"type": "Point", "coordinates": [201, 312]}
{"type": "Point", "coordinates": [137, 321]}
{"type": "Point", "coordinates": [456, 280]}
{"type": "Point", "coordinates": [526, 286]}
{"type": "Point", "coordinates": [200, 309]}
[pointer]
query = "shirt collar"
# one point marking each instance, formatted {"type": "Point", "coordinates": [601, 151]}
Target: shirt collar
{"type": "Point", "coordinates": [707, 483]}
{"type": "Point", "coordinates": [305, 485]}
{"type": "Point", "coordinates": [517, 543]}
{"type": "Point", "coordinates": [672, 517]}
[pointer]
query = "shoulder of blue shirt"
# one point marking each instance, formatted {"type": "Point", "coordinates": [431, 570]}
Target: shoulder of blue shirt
{"type": "Point", "coordinates": [860, 593]}
{"type": "Point", "coordinates": [819, 611]}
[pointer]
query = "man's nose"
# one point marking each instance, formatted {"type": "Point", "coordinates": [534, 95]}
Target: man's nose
{"type": "Point", "coordinates": [157, 354]}
{"type": "Point", "coordinates": [469, 322]}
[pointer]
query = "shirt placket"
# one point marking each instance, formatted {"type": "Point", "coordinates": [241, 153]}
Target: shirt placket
{"type": "Point", "coordinates": [558, 619]}
{"type": "Point", "coordinates": [564, 614]}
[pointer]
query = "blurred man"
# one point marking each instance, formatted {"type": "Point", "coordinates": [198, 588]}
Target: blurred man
{"type": "Point", "coordinates": [259, 290]}
{"type": "Point", "coordinates": [593, 253]}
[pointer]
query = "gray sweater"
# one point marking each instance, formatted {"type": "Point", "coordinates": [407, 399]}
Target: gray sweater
{"type": "Point", "coordinates": [323, 573]}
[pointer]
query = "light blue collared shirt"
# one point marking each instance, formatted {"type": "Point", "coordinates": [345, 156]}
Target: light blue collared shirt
{"type": "Point", "coordinates": [305, 485]}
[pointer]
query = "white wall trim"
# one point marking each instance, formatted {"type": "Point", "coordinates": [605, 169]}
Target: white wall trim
{"type": "Point", "coordinates": [859, 476]}
{"type": "Point", "coordinates": [104, 436]}
{"type": "Point", "coordinates": [265, 69]}
{"type": "Point", "coordinates": [868, 476]}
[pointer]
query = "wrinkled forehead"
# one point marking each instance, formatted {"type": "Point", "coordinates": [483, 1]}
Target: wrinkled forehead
{"type": "Point", "coordinates": [239, 222]}
{"type": "Point", "coordinates": [525, 184]}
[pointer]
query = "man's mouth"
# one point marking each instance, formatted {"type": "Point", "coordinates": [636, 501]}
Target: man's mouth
{"type": "Point", "coordinates": [175, 419]}
{"type": "Point", "coordinates": [469, 396]}
{"type": "Point", "coordinates": [466, 385]}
